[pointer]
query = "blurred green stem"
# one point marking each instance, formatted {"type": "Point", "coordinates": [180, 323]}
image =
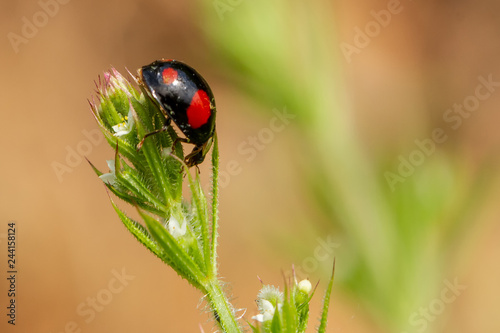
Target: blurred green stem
{"type": "Point", "coordinates": [224, 311]}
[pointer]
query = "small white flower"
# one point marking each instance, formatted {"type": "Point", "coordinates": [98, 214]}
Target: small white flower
{"type": "Point", "coordinates": [305, 286]}
{"type": "Point", "coordinates": [126, 126]}
{"type": "Point", "coordinates": [259, 317]}
{"type": "Point", "coordinates": [110, 177]}
{"type": "Point", "coordinates": [267, 310]}
{"type": "Point", "coordinates": [175, 228]}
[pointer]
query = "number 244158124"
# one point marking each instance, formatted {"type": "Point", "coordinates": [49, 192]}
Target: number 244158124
{"type": "Point", "coordinates": [11, 244]}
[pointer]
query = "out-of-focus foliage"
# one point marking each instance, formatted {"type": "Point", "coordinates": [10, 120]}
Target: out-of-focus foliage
{"type": "Point", "coordinates": [398, 237]}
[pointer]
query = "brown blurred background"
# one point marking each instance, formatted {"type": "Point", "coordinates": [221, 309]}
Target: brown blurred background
{"type": "Point", "coordinates": [69, 240]}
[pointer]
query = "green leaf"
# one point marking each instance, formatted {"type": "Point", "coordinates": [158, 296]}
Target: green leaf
{"type": "Point", "coordinates": [98, 173]}
{"type": "Point", "coordinates": [130, 180]}
{"type": "Point", "coordinates": [139, 232]}
{"type": "Point", "coordinates": [200, 206]}
{"type": "Point", "coordinates": [255, 329]}
{"type": "Point", "coordinates": [124, 148]}
{"type": "Point", "coordinates": [134, 200]}
{"type": "Point", "coordinates": [151, 151]}
{"type": "Point", "coordinates": [181, 262]}
{"type": "Point", "coordinates": [326, 304]}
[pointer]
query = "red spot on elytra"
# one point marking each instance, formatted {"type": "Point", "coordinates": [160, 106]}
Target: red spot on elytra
{"type": "Point", "coordinates": [199, 111]}
{"type": "Point", "coordinates": [169, 75]}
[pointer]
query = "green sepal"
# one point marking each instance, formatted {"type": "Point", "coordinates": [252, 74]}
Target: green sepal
{"type": "Point", "coordinates": [109, 113]}
{"type": "Point", "coordinates": [276, 324]}
{"type": "Point", "coordinates": [302, 313]}
{"type": "Point", "coordinates": [120, 102]}
{"type": "Point", "coordinates": [288, 311]}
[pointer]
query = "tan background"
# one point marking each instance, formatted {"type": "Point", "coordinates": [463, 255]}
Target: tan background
{"type": "Point", "coordinates": [69, 239]}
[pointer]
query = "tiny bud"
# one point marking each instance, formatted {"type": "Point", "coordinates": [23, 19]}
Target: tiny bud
{"type": "Point", "coordinates": [305, 286]}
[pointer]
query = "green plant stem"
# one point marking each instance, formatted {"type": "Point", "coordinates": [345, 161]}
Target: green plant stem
{"type": "Point", "coordinates": [215, 203]}
{"type": "Point", "coordinates": [222, 307]}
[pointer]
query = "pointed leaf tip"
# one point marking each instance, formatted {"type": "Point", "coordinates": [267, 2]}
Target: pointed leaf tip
{"type": "Point", "coordinates": [326, 304]}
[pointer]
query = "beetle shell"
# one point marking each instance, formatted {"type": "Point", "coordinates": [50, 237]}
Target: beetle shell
{"type": "Point", "coordinates": [183, 96]}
